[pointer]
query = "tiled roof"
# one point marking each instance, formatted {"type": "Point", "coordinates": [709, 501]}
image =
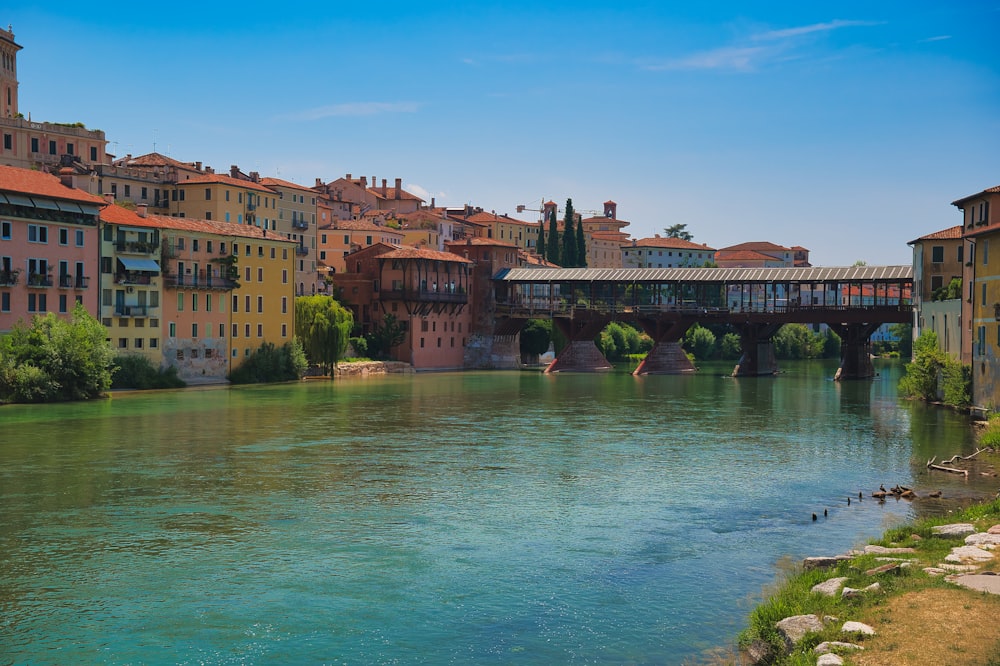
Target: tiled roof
{"type": "Point", "coordinates": [673, 244]}
{"type": "Point", "coordinates": [490, 218]}
{"type": "Point", "coordinates": [988, 190]}
{"type": "Point", "coordinates": [220, 179]}
{"type": "Point", "coordinates": [216, 227]}
{"type": "Point", "coordinates": [951, 233]}
{"type": "Point", "coordinates": [390, 194]}
{"type": "Point", "coordinates": [480, 241]}
{"type": "Point", "coordinates": [39, 183]}
{"type": "Point", "coordinates": [535, 261]}
{"type": "Point", "coordinates": [117, 215]}
{"type": "Point", "coordinates": [277, 182]}
{"type": "Point", "coordinates": [157, 160]}
{"type": "Point", "coordinates": [359, 225]}
{"type": "Point", "coordinates": [757, 246]}
{"type": "Point", "coordinates": [420, 253]}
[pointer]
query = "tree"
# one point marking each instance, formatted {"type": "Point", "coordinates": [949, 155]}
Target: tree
{"type": "Point", "coordinates": [55, 360]}
{"type": "Point", "coordinates": [904, 332]}
{"type": "Point", "coordinates": [552, 244]}
{"type": "Point", "coordinates": [581, 247]}
{"type": "Point", "coordinates": [540, 246]}
{"type": "Point", "coordinates": [323, 326]}
{"type": "Point", "coordinates": [699, 341]}
{"type": "Point", "coordinates": [385, 336]}
{"type": "Point", "coordinates": [678, 231]}
{"type": "Point", "coordinates": [269, 363]}
{"type": "Point", "coordinates": [569, 236]}
{"type": "Point", "coordinates": [933, 375]}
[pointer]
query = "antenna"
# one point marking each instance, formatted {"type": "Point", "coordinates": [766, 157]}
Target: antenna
{"type": "Point", "coordinates": [154, 140]}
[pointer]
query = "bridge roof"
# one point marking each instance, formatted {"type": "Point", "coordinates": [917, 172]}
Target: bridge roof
{"type": "Point", "coordinates": [727, 275]}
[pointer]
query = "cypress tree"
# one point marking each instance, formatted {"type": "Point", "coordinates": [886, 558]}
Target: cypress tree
{"type": "Point", "coordinates": [569, 237]}
{"type": "Point", "coordinates": [552, 244]}
{"type": "Point", "coordinates": [540, 245]}
{"type": "Point", "coordinates": [581, 247]}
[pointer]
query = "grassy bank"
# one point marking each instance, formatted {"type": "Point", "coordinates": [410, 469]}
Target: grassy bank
{"type": "Point", "coordinates": [919, 618]}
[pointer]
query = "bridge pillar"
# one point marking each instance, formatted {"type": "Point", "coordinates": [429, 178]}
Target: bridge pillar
{"type": "Point", "coordinates": [581, 354]}
{"type": "Point", "coordinates": [758, 350]}
{"type": "Point", "coordinates": [855, 350]}
{"type": "Point", "coordinates": [666, 357]}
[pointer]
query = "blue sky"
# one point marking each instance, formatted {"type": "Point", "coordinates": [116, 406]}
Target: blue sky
{"type": "Point", "coordinates": [845, 127]}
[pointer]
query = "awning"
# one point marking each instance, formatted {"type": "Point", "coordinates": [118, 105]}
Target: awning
{"type": "Point", "coordinates": [45, 203]}
{"type": "Point", "coordinates": [131, 264]}
{"type": "Point", "coordinates": [69, 206]}
{"type": "Point", "coordinates": [89, 209]}
{"type": "Point", "coordinates": [18, 200]}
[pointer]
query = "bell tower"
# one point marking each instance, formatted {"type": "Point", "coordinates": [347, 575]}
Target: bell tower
{"type": "Point", "coordinates": [8, 73]}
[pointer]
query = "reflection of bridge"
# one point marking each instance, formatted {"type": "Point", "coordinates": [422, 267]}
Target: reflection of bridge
{"type": "Point", "coordinates": [665, 302]}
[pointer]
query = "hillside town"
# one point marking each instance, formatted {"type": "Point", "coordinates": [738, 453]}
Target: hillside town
{"type": "Point", "coordinates": [195, 268]}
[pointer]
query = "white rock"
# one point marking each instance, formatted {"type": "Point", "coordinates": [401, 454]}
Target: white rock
{"type": "Point", "coordinates": [968, 554]}
{"type": "Point", "coordinates": [954, 529]}
{"type": "Point", "coordinates": [852, 592]}
{"type": "Point", "coordinates": [829, 587]}
{"type": "Point", "coordinates": [857, 628]}
{"type": "Point", "coordinates": [983, 539]}
{"type": "Point", "coordinates": [882, 550]}
{"type": "Point", "coordinates": [934, 571]}
{"type": "Point", "coordinates": [792, 629]}
{"type": "Point", "coordinates": [827, 646]}
{"type": "Point", "coordinates": [830, 659]}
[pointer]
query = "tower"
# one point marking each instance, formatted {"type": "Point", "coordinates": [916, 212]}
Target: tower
{"type": "Point", "coordinates": [610, 209]}
{"type": "Point", "coordinates": [8, 73]}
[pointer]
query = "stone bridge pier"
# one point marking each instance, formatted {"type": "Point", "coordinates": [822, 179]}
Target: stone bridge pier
{"type": "Point", "coordinates": [581, 354]}
{"type": "Point", "coordinates": [666, 357]}
{"type": "Point", "coordinates": [758, 350]}
{"type": "Point", "coordinates": [855, 350]}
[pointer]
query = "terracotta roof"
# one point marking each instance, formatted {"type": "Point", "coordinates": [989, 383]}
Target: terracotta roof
{"type": "Point", "coordinates": [988, 190]}
{"type": "Point", "coordinates": [490, 218]}
{"type": "Point", "coordinates": [480, 241]}
{"type": "Point", "coordinates": [603, 218]}
{"type": "Point", "coordinates": [673, 244]}
{"type": "Point", "coordinates": [420, 253]}
{"type": "Point", "coordinates": [359, 225]}
{"type": "Point", "coordinates": [158, 160]}
{"type": "Point", "coordinates": [742, 255]}
{"type": "Point", "coordinates": [216, 227]}
{"type": "Point", "coordinates": [220, 179]}
{"type": "Point", "coordinates": [758, 246]}
{"type": "Point", "coordinates": [277, 182]}
{"type": "Point", "coordinates": [117, 215]}
{"type": "Point", "coordinates": [535, 261]}
{"type": "Point", "coordinates": [390, 194]}
{"type": "Point", "coordinates": [951, 233]}
{"type": "Point", "coordinates": [39, 183]}
{"type": "Point", "coordinates": [799, 248]}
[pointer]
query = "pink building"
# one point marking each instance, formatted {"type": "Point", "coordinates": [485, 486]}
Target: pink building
{"type": "Point", "coordinates": [49, 246]}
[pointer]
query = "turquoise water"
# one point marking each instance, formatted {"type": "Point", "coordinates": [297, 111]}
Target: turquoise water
{"type": "Point", "coordinates": [445, 518]}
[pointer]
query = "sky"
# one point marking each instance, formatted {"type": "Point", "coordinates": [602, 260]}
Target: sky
{"type": "Point", "coordinates": [847, 128]}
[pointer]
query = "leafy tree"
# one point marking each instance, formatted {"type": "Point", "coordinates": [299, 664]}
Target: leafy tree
{"type": "Point", "coordinates": [323, 326]}
{"type": "Point", "coordinates": [905, 334]}
{"type": "Point", "coordinates": [699, 341]}
{"type": "Point", "coordinates": [581, 247]}
{"type": "Point", "coordinates": [678, 231]}
{"type": "Point", "coordinates": [55, 360]}
{"type": "Point", "coordinates": [272, 364]}
{"type": "Point", "coordinates": [730, 346]}
{"type": "Point", "coordinates": [540, 246]}
{"type": "Point", "coordinates": [536, 337]}
{"type": "Point", "coordinates": [795, 341]}
{"type": "Point", "coordinates": [569, 236]}
{"type": "Point", "coordinates": [934, 375]}
{"type": "Point", "coordinates": [385, 335]}
{"type": "Point", "coordinates": [137, 372]}
{"type": "Point", "coordinates": [552, 244]}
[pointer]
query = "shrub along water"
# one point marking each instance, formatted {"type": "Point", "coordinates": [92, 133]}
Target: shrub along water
{"type": "Point", "coordinates": [272, 364]}
{"type": "Point", "coordinates": [137, 372]}
{"type": "Point", "coordinates": [934, 376]}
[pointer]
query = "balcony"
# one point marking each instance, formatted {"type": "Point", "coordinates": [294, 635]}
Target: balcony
{"type": "Point", "coordinates": [457, 295]}
{"type": "Point", "coordinates": [301, 250]}
{"type": "Point", "coordinates": [82, 282]}
{"type": "Point", "coordinates": [9, 278]}
{"type": "Point", "coordinates": [300, 224]}
{"type": "Point", "coordinates": [65, 281]}
{"type": "Point", "coordinates": [135, 247]}
{"type": "Point", "coordinates": [40, 280]}
{"type": "Point", "coordinates": [131, 310]}
{"type": "Point", "coordinates": [202, 280]}
{"type": "Point", "coordinates": [133, 277]}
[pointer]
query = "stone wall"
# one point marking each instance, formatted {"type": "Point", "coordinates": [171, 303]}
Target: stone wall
{"type": "Point", "coordinates": [366, 368]}
{"type": "Point", "coordinates": [493, 352]}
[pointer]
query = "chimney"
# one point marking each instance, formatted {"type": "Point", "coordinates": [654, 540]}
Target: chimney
{"type": "Point", "coordinates": [234, 171]}
{"type": "Point", "coordinates": [209, 170]}
{"type": "Point", "coordinates": [255, 176]}
{"type": "Point", "coordinates": [432, 203]}
{"type": "Point", "coordinates": [319, 182]}
{"type": "Point", "coordinates": [383, 187]}
{"type": "Point", "coordinates": [399, 188]}
{"type": "Point", "coordinates": [374, 183]}
{"type": "Point", "coordinates": [364, 182]}
{"type": "Point", "coordinates": [110, 198]}
{"type": "Point", "coordinates": [141, 209]}
{"type": "Point", "coordinates": [197, 166]}
{"type": "Point", "coordinates": [348, 177]}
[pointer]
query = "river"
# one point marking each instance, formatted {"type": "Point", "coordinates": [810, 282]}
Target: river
{"type": "Point", "coordinates": [504, 517]}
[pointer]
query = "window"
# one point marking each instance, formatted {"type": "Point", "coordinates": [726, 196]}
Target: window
{"type": "Point", "coordinates": [246, 250]}
{"type": "Point", "coordinates": [79, 237]}
{"type": "Point", "coordinates": [70, 148]}
{"type": "Point", "coordinates": [222, 330]}
{"type": "Point", "coordinates": [208, 194]}
{"type": "Point", "coordinates": [981, 342]}
{"type": "Point", "coordinates": [180, 301]}
{"type": "Point", "coordinates": [5, 230]}
{"type": "Point", "coordinates": [937, 281]}
{"type": "Point", "coordinates": [153, 343]}
{"type": "Point", "coordinates": [138, 343]}
{"type": "Point", "coordinates": [128, 190]}
{"type": "Point", "coordinates": [984, 294]}
{"type": "Point", "coordinates": [260, 304]}
{"type": "Point", "coordinates": [284, 277]}
{"type": "Point", "coordinates": [260, 330]}
{"type": "Point", "coordinates": [246, 274]}
{"type": "Point", "coordinates": [194, 243]}
{"type": "Point", "coordinates": [208, 246]}
{"type": "Point", "coordinates": [986, 251]}
{"type": "Point", "coordinates": [122, 343]}
{"type": "Point", "coordinates": [5, 301]}
{"type": "Point", "coordinates": [52, 148]}
{"type": "Point", "coordinates": [236, 330]}
{"type": "Point", "coordinates": [34, 144]}
{"type": "Point", "coordinates": [194, 330]}
{"type": "Point", "coordinates": [8, 141]}
{"type": "Point", "coordinates": [63, 236]}
{"type": "Point", "coordinates": [284, 305]}
{"type": "Point", "coordinates": [247, 330]}
{"type": "Point", "coordinates": [32, 304]}
{"type": "Point", "coordinates": [246, 301]}
{"type": "Point", "coordinates": [937, 254]}
{"type": "Point", "coordinates": [62, 302]}
{"type": "Point", "coordinates": [236, 303]}
{"type": "Point", "coordinates": [93, 153]}
{"type": "Point", "coordinates": [284, 330]}
{"type": "Point", "coordinates": [960, 248]}
{"type": "Point", "coordinates": [194, 302]}
{"type": "Point", "coordinates": [208, 302]}
{"type": "Point", "coordinates": [172, 332]}
{"type": "Point", "coordinates": [260, 275]}
{"type": "Point", "coordinates": [38, 233]}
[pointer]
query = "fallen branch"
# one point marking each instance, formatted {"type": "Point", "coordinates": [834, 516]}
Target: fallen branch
{"type": "Point", "coordinates": [931, 465]}
{"type": "Point", "coordinates": [958, 457]}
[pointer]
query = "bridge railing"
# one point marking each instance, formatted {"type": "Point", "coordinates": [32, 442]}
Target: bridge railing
{"type": "Point", "coordinates": [545, 308]}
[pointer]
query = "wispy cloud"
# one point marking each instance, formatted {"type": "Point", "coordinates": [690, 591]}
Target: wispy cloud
{"type": "Point", "coordinates": [754, 51]}
{"type": "Point", "coordinates": [355, 109]}
{"type": "Point", "coordinates": [788, 33]}
{"type": "Point", "coordinates": [939, 38]}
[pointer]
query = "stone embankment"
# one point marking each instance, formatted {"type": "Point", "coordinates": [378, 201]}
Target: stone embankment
{"type": "Point", "coordinates": [363, 369]}
{"type": "Point", "coordinates": [960, 567]}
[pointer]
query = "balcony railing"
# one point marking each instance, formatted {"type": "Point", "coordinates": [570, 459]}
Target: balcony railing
{"type": "Point", "coordinates": [133, 277]}
{"type": "Point", "coordinates": [82, 282]}
{"type": "Point", "coordinates": [202, 280]}
{"type": "Point", "coordinates": [136, 247]}
{"type": "Point", "coordinates": [426, 295]}
{"type": "Point", "coordinates": [65, 281]}
{"type": "Point", "coordinates": [39, 280]}
{"type": "Point", "coordinates": [131, 310]}
{"type": "Point", "coordinates": [8, 278]}
{"type": "Point", "coordinates": [301, 250]}
{"type": "Point", "coordinates": [300, 224]}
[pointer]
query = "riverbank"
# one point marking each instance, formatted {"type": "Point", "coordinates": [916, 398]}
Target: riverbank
{"type": "Point", "coordinates": [915, 596]}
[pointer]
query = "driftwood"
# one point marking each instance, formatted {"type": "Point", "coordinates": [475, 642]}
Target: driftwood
{"type": "Point", "coordinates": [931, 465]}
{"type": "Point", "coordinates": [957, 457]}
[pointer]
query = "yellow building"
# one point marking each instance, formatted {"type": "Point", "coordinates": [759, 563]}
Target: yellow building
{"type": "Point", "coordinates": [297, 221]}
{"type": "Point", "coordinates": [216, 197]}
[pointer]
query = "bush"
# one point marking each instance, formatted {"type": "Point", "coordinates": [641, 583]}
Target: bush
{"type": "Point", "coordinates": [272, 364]}
{"type": "Point", "coordinates": [932, 375]}
{"type": "Point", "coordinates": [699, 342]}
{"type": "Point", "coordinates": [137, 372]}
